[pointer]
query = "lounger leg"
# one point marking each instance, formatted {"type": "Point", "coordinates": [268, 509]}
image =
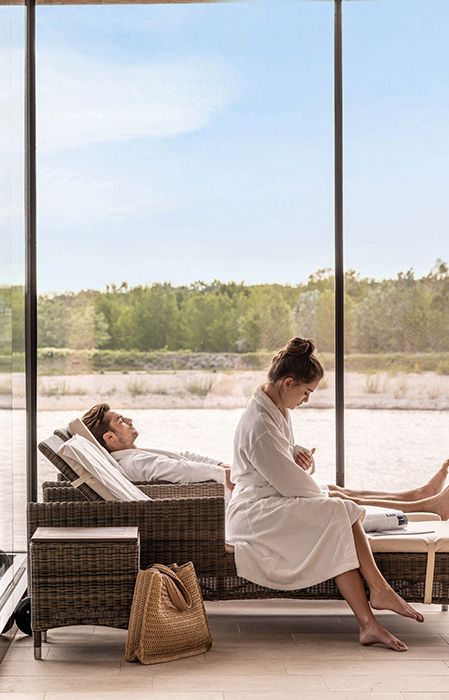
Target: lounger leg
{"type": "Point", "coordinates": [37, 644]}
{"type": "Point", "coordinates": [444, 607]}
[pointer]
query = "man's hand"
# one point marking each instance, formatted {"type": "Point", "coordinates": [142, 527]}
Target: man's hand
{"type": "Point", "coordinates": [304, 460]}
{"type": "Point", "coordinates": [229, 483]}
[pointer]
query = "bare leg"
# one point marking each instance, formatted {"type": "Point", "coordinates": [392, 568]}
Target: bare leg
{"type": "Point", "coordinates": [371, 632]}
{"type": "Point", "coordinates": [431, 488]}
{"type": "Point", "coordinates": [382, 596]}
{"type": "Point", "coordinates": [438, 504]}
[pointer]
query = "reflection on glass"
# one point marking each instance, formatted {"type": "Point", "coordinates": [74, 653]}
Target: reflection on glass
{"type": "Point", "coordinates": [12, 241]}
{"type": "Point", "coordinates": [185, 170]}
{"type": "Point", "coordinates": [397, 292]}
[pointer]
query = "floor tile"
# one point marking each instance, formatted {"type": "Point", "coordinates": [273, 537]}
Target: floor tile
{"type": "Point", "coordinates": [22, 696]}
{"type": "Point", "coordinates": [22, 653]}
{"type": "Point", "coordinates": [399, 666]}
{"type": "Point", "coordinates": [228, 683]}
{"type": "Point", "coordinates": [386, 683]}
{"type": "Point", "coordinates": [85, 653]}
{"type": "Point", "coordinates": [91, 666]}
{"type": "Point", "coordinates": [312, 695]}
{"type": "Point", "coordinates": [136, 695]}
{"type": "Point", "coordinates": [425, 696]}
{"type": "Point", "coordinates": [418, 651]}
{"type": "Point", "coordinates": [82, 684]}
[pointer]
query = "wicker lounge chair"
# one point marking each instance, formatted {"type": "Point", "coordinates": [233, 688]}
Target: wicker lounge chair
{"type": "Point", "coordinates": [186, 522]}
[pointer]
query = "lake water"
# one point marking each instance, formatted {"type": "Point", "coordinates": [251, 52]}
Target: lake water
{"type": "Point", "coordinates": [384, 448]}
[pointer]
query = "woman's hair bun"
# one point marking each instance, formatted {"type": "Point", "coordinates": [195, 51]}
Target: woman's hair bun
{"type": "Point", "coordinates": [300, 346]}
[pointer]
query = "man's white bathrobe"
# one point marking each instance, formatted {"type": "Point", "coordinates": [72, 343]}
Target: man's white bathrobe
{"type": "Point", "coordinates": [140, 464]}
{"type": "Point", "coordinates": [286, 534]}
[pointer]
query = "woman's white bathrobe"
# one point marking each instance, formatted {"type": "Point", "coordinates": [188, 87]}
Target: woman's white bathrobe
{"type": "Point", "coordinates": [286, 534]}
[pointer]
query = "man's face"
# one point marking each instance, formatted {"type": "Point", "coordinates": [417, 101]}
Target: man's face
{"type": "Point", "coordinates": [121, 434]}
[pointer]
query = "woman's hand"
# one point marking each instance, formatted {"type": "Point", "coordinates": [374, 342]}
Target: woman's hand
{"type": "Point", "coordinates": [304, 459]}
{"type": "Point", "coordinates": [229, 483]}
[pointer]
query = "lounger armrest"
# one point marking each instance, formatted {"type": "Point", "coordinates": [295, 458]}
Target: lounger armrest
{"type": "Point", "coordinates": [64, 491]}
{"type": "Point", "coordinates": [418, 517]}
{"type": "Point", "coordinates": [171, 530]}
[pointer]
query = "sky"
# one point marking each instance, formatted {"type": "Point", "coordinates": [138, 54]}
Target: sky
{"type": "Point", "coordinates": [195, 142]}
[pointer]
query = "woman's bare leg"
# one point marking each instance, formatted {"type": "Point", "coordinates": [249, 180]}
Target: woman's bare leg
{"type": "Point", "coordinates": [431, 488]}
{"type": "Point", "coordinates": [382, 596]}
{"type": "Point", "coordinates": [371, 632]}
{"type": "Point", "coordinates": [438, 504]}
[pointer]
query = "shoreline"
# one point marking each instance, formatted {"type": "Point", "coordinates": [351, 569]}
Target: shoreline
{"type": "Point", "coordinates": [199, 389]}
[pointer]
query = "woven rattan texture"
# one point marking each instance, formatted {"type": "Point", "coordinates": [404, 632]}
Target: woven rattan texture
{"type": "Point", "coordinates": [171, 530]}
{"type": "Point", "coordinates": [67, 471]}
{"type": "Point", "coordinates": [167, 622]}
{"type": "Point", "coordinates": [85, 583]}
{"type": "Point", "coordinates": [64, 491]}
{"type": "Point", "coordinates": [179, 530]}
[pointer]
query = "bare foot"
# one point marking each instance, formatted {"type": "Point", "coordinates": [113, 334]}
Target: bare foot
{"type": "Point", "coordinates": [435, 484]}
{"type": "Point", "coordinates": [374, 633]}
{"type": "Point", "coordinates": [438, 504]}
{"type": "Point", "coordinates": [388, 599]}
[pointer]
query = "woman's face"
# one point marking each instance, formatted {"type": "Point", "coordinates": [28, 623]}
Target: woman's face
{"type": "Point", "coordinates": [294, 393]}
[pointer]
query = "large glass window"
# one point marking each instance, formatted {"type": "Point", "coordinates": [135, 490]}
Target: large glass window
{"type": "Point", "coordinates": [12, 243]}
{"type": "Point", "coordinates": [185, 213]}
{"type": "Point", "coordinates": [397, 216]}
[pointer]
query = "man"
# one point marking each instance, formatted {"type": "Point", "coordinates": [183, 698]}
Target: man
{"type": "Point", "coordinates": [118, 435]}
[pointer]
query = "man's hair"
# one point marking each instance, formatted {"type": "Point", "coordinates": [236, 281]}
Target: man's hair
{"type": "Point", "coordinates": [97, 421]}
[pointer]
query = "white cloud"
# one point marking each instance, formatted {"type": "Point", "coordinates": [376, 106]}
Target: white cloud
{"type": "Point", "coordinates": [84, 100]}
{"type": "Point", "coordinates": [80, 197]}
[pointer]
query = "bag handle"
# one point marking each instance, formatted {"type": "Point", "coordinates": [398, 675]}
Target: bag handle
{"type": "Point", "coordinates": [177, 592]}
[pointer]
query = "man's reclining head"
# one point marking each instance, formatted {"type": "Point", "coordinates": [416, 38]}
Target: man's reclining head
{"type": "Point", "coordinates": [112, 430]}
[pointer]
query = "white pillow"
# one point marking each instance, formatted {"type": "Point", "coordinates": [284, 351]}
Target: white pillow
{"type": "Point", "coordinates": [94, 469]}
{"type": "Point", "coordinates": [77, 427]}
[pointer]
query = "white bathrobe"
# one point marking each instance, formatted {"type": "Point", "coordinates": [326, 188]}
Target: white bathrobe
{"type": "Point", "coordinates": [286, 534]}
{"type": "Point", "coordinates": [140, 464]}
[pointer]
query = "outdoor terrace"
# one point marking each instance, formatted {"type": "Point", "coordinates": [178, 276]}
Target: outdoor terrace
{"type": "Point", "coordinates": [269, 650]}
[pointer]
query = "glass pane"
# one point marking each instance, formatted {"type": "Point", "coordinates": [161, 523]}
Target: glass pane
{"type": "Point", "coordinates": [12, 241]}
{"type": "Point", "coordinates": [397, 216]}
{"type": "Point", "coordinates": [185, 182]}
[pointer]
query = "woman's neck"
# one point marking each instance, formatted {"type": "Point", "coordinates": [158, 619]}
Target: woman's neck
{"type": "Point", "coordinates": [272, 391]}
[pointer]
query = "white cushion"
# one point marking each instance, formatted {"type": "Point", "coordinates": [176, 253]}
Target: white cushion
{"type": "Point", "coordinates": [77, 427]}
{"type": "Point", "coordinates": [92, 467]}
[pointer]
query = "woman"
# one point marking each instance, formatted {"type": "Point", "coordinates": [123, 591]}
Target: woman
{"type": "Point", "coordinates": [288, 535]}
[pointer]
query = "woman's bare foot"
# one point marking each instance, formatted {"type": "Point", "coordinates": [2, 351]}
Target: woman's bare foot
{"type": "Point", "coordinates": [387, 599]}
{"type": "Point", "coordinates": [374, 633]}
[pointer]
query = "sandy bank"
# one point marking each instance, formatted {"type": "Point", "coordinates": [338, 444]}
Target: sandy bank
{"type": "Point", "coordinates": [203, 389]}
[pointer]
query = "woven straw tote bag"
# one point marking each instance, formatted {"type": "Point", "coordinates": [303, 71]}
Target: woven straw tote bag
{"type": "Point", "coordinates": [168, 620]}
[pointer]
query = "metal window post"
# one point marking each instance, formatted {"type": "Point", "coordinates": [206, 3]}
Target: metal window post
{"type": "Point", "coordinates": [339, 269]}
{"type": "Point", "coordinates": [30, 253]}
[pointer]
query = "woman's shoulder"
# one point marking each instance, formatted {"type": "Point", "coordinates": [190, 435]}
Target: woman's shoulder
{"type": "Point", "coordinates": [255, 420]}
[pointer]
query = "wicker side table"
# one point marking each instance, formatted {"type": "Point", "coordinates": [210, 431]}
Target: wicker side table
{"type": "Point", "coordinates": [81, 576]}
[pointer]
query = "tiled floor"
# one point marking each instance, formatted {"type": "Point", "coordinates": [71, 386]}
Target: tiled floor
{"type": "Point", "coordinates": [269, 650]}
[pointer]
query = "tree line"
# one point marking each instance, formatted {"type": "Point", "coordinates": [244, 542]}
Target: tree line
{"type": "Point", "coordinates": [405, 314]}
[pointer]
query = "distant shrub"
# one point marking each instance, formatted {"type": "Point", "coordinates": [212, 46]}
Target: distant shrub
{"type": "Point", "coordinates": [137, 387]}
{"type": "Point", "coordinates": [372, 384]}
{"type": "Point", "coordinates": [443, 366]}
{"type": "Point", "coordinates": [400, 389]}
{"type": "Point", "coordinates": [62, 389]}
{"type": "Point", "coordinates": [200, 388]}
